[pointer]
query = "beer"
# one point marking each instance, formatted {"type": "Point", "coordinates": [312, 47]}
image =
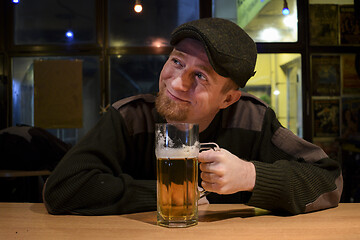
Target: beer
{"type": "Point", "coordinates": [177, 149]}
{"type": "Point", "coordinates": [177, 190]}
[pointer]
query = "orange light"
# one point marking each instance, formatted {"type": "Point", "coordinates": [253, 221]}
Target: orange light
{"type": "Point", "coordinates": [138, 7]}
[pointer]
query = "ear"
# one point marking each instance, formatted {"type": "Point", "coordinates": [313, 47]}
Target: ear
{"type": "Point", "coordinates": [231, 97]}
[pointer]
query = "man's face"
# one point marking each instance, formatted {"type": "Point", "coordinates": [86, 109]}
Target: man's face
{"type": "Point", "coordinates": [189, 88]}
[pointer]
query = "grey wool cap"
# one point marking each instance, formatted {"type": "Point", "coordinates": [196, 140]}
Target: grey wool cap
{"type": "Point", "coordinates": [231, 51]}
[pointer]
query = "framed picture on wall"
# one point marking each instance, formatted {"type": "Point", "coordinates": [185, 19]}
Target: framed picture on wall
{"type": "Point", "coordinates": [349, 25]}
{"type": "Point", "coordinates": [323, 24]}
{"type": "Point", "coordinates": [350, 64]}
{"type": "Point", "coordinates": [325, 74]}
{"type": "Point", "coordinates": [326, 117]}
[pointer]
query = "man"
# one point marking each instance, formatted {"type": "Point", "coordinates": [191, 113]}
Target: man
{"type": "Point", "coordinates": [112, 170]}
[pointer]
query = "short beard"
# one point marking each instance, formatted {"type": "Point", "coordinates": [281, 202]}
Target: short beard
{"type": "Point", "coordinates": [169, 109]}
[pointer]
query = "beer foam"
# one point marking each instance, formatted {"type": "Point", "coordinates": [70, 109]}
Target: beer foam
{"type": "Point", "coordinates": [171, 152]}
{"type": "Point", "coordinates": [181, 152]}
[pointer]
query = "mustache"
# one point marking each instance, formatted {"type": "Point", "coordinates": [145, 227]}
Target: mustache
{"type": "Point", "coordinates": [177, 96]}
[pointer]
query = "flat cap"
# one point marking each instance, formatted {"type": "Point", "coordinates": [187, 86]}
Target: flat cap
{"type": "Point", "coordinates": [231, 51]}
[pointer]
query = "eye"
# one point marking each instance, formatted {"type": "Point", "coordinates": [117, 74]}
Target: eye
{"type": "Point", "coordinates": [201, 76]}
{"type": "Point", "coordinates": [176, 61]}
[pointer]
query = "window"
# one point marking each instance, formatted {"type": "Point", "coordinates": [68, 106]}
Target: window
{"type": "Point", "coordinates": [278, 75]}
{"type": "Point", "coordinates": [134, 74]}
{"type": "Point", "coordinates": [151, 27]}
{"type": "Point", "coordinates": [23, 95]}
{"type": "Point", "coordinates": [277, 82]}
{"type": "Point", "coordinates": [128, 69]}
{"type": "Point", "coordinates": [263, 20]}
{"type": "Point", "coordinates": [42, 22]}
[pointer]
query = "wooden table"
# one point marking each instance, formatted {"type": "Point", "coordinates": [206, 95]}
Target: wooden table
{"type": "Point", "coordinates": [216, 221]}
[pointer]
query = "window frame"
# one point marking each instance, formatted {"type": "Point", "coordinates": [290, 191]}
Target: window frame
{"type": "Point", "coordinates": [101, 49]}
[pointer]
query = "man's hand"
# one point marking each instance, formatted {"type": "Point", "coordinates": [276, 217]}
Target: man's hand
{"type": "Point", "coordinates": [225, 173]}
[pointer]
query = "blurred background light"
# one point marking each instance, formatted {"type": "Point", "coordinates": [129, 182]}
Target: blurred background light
{"type": "Point", "coordinates": [138, 7]}
{"type": "Point", "coordinates": [69, 34]}
{"type": "Point", "coordinates": [285, 10]}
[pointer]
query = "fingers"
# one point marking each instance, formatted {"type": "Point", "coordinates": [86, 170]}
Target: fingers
{"type": "Point", "coordinates": [211, 170]}
{"type": "Point", "coordinates": [207, 167]}
{"type": "Point", "coordinates": [223, 172]}
{"type": "Point", "coordinates": [211, 187]}
{"type": "Point", "coordinates": [208, 156]}
{"type": "Point", "coordinates": [219, 187]}
{"type": "Point", "coordinates": [212, 182]}
{"type": "Point", "coordinates": [212, 167]}
{"type": "Point", "coordinates": [209, 177]}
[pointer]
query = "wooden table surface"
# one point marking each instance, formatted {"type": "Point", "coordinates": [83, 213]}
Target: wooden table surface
{"type": "Point", "coordinates": [216, 221]}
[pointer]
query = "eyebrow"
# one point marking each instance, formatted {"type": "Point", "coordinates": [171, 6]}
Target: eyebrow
{"type": "Point", "coordinates": [177, 52]}
{"type": "Point", "coordinates": [206, 69]}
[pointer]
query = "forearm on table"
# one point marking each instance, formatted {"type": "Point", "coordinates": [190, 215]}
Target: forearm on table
{"type": "Point", "coordinates": [95, 193]}
{"type": "Point", "coordinates": [297, 187]}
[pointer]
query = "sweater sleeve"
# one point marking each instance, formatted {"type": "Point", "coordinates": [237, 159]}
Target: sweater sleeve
{"type": "Point", "coordinates": [90, 179]}
{"type": "Point", "coordinates": [293, 175]}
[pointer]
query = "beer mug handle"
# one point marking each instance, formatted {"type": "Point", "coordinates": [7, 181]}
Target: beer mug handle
{"type": "Point", "coordinates": [203, 193]}
{"type": "Point", "coordinates": [208, 146]}
{"type": "Point", "coordinates": [204, 147]}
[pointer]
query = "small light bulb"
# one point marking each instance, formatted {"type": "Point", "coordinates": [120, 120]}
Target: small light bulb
{"type": "Point", "coordinates": [285, 10]}
{"type": "Point", "coordinates": [69, 34]}
{"type": "Point", "coordinates": [16, 1]}
{"type": "Point", "coordinates": [138, 8]}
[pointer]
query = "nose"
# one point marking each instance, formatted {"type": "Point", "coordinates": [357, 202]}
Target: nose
{"type": "Point", "coordinates": [183, 82]}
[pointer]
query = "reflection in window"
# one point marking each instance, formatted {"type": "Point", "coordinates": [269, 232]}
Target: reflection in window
{"type": "Point", "coordinates": [134, 74]}
{"type": "Point", "coordinates": [263, 20]}
{"type": "Point", "coordinates": [278, 82]}
{"type": "Point", "coordinates": [151, 27]}
{"type": "Point", "coordinates": [23, 95]}
{"type": "Point", "coordinates": [54, 22]}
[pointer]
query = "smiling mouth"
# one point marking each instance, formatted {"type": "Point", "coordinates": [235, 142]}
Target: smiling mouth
{"type": "Point", "coordinates": [176, 98]}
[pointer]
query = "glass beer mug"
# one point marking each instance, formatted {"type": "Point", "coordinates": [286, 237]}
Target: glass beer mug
{"type": "Point", "coordinates": [177, 147]}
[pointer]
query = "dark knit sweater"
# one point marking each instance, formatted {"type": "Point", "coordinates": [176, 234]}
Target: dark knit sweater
{"type": "Point", "coordinates": [112, 170]}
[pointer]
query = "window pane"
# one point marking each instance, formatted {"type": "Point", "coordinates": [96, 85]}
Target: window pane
{"type": "Point", "coordinates": [3, 94]}
{"type": "Point", "coordinates": [134, 74]}
{"type": "Point", "coordinates": [48, 22]}
{"type": "Point", "coordinates": [278, 82]}
{"type": "Point", "coordinates": [23, 95]}
{"type": "Point", "coordinates": [151, 27]}
{"type": "Point", "coordinates": [262, 20]}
